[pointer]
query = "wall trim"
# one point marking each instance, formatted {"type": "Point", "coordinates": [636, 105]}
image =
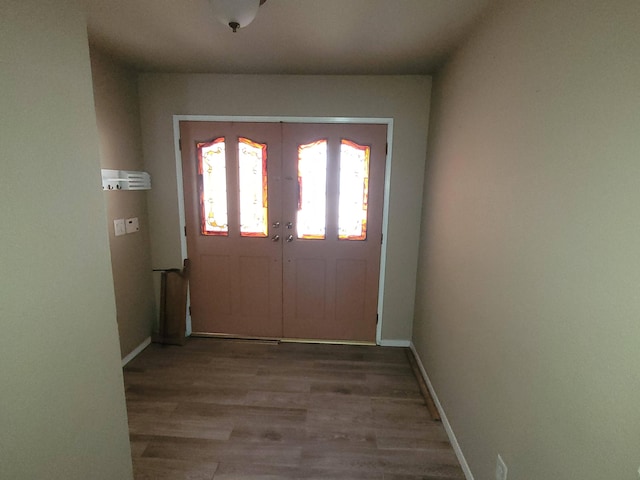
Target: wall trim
{"type": "Point", "coordinates": [388, 121]}
{"type": "Point", "coordinates": [445, 422]}
{"type": "Point", "coordinates": [136, 351]}
{"type": "Point", "coordinates": [394, 343]}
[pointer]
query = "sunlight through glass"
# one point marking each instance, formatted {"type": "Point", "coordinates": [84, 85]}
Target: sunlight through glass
{"type": "Point", "coordinates": [212, 176]}
{"type": "Point", "coordinates": [312, 190]}
{"type": "Point", "coordinates": [354, 191]}
{"type": "Point", "coordinates": [252, 171]}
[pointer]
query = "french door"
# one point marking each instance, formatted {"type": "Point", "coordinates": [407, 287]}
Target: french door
{"type": "Point", "coordinates": [284, 226]}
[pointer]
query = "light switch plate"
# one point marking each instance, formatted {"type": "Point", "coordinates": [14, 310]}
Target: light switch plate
{"type": "Point", "coordinates": [119, 227]}
{"type": "Point", "coordinates": [132, 225]}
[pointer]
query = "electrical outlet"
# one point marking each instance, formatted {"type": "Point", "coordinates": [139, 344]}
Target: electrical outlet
{"type": "Point", "coordinates": [501, 469]}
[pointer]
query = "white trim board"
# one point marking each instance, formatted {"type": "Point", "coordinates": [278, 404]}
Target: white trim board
{"type": "Point", "coordinates": [136, 351]}
{"type": "Point", "coordinates": [274, 119]}
{"type": "Point", "coordinates": [445, 422]}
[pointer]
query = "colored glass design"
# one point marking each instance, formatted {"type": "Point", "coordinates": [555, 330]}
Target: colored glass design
{"type": "Point", "coordinates": [312, 190]}
{"type": "Point", "coordinates": [354, 191]}
{"type": "Point", "coordinates": [212, 176]}
{"type": "Point", "coordinates": [252, 177]}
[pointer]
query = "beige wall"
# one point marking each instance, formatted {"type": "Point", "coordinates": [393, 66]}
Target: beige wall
{"type": "Point", "coordinates": [527, 311]}
{"type": "Point", "coordinates": [405, 99]}
{"type": "Point", "coordinates": [115, 91]}
{"type": "Point", "coordinates": [62, 411]}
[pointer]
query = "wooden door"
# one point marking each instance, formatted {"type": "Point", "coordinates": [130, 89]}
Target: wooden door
{"type": "Point", "coordinates": [332, 265]}
{"type": "Point", "coordinates": [313, 274]}
{"type": "Point", "coordinates": [236, 276]}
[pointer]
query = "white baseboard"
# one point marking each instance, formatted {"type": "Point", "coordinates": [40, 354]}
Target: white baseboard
{"type": "Point", "coordinates": [395, 343]}
{"type": "Point", "coordinates": [445, 422]}
{"type": "Point", "coordinates": [136, 351]}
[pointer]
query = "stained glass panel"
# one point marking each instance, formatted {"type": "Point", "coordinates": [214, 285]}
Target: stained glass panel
{"type": "Point", "coordinates": [252, 173]}
{"type": "Point", "coordinates": [312, 190]}
{"type": "Point", "coordinates": [354, 191]}
{"type": "Point", "coordinates": [212, 175]}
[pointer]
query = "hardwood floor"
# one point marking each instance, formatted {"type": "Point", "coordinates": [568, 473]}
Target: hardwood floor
{"type": "Point", "coordinates": [232, 410]}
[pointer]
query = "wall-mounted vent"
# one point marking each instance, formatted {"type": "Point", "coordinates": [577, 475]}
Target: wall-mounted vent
{"type": "Point", "coordinates": [125, 180]}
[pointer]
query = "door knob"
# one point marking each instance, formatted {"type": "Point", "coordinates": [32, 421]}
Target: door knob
{"type": "Point", "coordinates": [275, 238]}
{"type": "Point", "coordinates": [289, 225]}
{"type": "Point", "coordinates": [289, 238]}
{"type": "Point", "coordinates": [275, 224]}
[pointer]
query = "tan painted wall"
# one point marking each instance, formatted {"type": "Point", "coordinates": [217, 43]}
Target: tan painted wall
{"type": "Point", "coordinates": [527, 312]}
{"type": "Point", "coordinates": [62, 411]}
{"type": "Point", "coordinates": [115, 90]}
{"type": "Point", "coordinates": [406, 99]}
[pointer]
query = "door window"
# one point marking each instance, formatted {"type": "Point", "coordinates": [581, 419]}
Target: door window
{"type": "Point", "coordinates": [312, 190]}
{"type": "Point", "coordinates": [354, 191]}
{"type": "Point", "coordinates": [252, 189]}
{"type": "Point", "coordinates": [212, 186]}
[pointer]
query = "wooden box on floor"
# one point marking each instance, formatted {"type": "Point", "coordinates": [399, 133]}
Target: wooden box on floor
{"type": "Point", "coordinates": [173, 306]}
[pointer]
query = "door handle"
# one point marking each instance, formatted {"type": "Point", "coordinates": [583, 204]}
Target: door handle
{"type": "Point", "coordinates": [289, 225]}
{"type": "Point", "coordinates": [289, 238]}
{"type": "Point", "coordinates": [275, 238]}
{"type": "Point", "coordinates": [276, 225]}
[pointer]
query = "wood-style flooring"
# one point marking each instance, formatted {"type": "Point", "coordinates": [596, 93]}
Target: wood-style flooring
{"type": "Point", "coordinates": [237, 410]}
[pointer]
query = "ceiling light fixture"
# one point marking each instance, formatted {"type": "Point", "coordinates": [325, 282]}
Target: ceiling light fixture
{"type": "Point", "coordinates": [236, 13]}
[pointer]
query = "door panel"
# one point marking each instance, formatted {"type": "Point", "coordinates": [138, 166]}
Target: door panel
{"type": "Point", "coordinates": [214, 291]}
{"type": "Point", "coordinates": [310, 281]}
{"type": "Point", "coordinates": [321, 286]}
{"type": "Point", "coordinates": [254, 292]}
{"type": "Point", "coordinates": [236, 283]}
{"type": "Point", "coordinates": [345, 302]}
{"type": "Point", "coordinates": [351, 282]}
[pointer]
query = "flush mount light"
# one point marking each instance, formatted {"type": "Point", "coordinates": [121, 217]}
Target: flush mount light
{"type": "Point", "coordinates": [236, 13]}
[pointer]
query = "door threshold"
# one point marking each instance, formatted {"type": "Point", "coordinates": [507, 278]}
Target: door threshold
{"type": "Point", "coordinates": [276, 340]}
{"type": "Point", "coordinates": [242, 338]}
{"type": "Point", "coordinates": [329, 342]}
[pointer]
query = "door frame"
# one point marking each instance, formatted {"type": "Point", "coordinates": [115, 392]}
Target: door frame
{"type": "Point", "coordinates": [285, 119]}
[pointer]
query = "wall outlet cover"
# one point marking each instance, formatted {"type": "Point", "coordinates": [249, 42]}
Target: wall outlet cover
{"type": "Point", "coordinates": [501, 469]}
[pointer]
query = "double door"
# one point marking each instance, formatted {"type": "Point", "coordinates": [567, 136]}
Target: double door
{"type": "Point", "coordinates": [284, 228]}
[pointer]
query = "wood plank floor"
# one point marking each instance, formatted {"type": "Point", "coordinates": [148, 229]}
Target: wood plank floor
{"type": "Point", "coordinates": [231, 410]}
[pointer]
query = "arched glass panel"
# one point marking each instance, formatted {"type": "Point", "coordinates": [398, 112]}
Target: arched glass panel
{"type": "Point", "coordinates": [312, 190]}
{"type": "Point", "coordinates": [252, 175]}
{"type": "Point", "coordinates": [354, 191]}
{"type": "Point", "coordinates": [212, 180]}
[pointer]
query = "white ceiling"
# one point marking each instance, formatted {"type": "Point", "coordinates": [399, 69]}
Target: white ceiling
{"type": "Point", "coordinates": [287, 36]}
